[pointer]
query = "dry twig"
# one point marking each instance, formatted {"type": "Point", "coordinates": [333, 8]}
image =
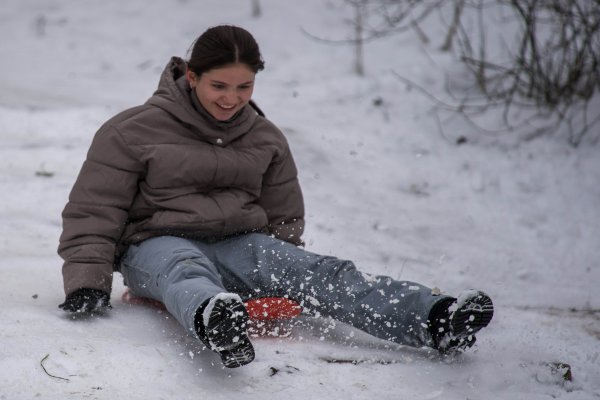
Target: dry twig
{"type": "Point", "coordinates": [46, 371]}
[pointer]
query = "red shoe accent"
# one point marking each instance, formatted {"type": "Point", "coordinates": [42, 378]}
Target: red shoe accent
{"type": "Point", "coordinates": [272, 308]}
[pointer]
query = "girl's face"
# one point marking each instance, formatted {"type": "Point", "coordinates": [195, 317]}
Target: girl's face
{"type": "Point", "coordinates": [223, 91]}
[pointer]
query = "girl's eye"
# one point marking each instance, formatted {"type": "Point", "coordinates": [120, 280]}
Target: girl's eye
{"type": "Point", "coordinates": [218, 86]}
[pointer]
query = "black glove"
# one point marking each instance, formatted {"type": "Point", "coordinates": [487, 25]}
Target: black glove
{"type": "Point", "coordinates": [86, 301]}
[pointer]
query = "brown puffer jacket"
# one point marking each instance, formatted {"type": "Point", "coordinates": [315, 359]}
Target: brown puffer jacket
{"type": "Point", "coordinates": [168, 168]}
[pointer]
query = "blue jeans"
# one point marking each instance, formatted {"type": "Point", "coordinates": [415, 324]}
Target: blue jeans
{"type": "Point", "coordinates": [183, 274]}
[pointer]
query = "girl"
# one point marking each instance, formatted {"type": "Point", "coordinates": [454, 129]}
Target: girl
{"type": "Point", "coordinates": [194, 198]}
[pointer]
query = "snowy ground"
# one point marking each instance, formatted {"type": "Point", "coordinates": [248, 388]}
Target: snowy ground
{"type": "Point", "coordinates": [383, 187]}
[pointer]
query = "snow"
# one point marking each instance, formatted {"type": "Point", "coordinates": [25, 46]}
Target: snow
{"type": "Point", "coordinates": [384, 186]}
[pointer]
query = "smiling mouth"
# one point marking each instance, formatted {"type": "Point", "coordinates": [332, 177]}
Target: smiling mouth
{"type": "Point", "coordinates": [226, 107]}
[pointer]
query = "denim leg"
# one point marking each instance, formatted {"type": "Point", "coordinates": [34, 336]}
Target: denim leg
{"type": "Point", "coordinates": [174, 271]}
{"type": "Point", "coordinates": [257, 265]}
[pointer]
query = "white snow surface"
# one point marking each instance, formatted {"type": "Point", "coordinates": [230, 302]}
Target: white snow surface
{"type": "Point", "coordinates": [384, 186]}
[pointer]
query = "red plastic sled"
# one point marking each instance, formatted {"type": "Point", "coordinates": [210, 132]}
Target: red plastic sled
{"type": "Point", "coordinates": [269, 316]}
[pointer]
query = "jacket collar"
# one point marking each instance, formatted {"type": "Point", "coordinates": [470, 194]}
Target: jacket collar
{"type": "Point", "coordinates": [175, 97]}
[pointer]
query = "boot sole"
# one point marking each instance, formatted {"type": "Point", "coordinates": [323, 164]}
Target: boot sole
{"type": "Point", "coordinates": [475, 311]}
{"type": "Point", "coordinates": [227, 333]}
{"type": "Point", "coordinates": [241, 355]}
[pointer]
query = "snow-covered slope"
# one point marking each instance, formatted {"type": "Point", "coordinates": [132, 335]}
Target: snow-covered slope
{"type": "Point", "coordinates": [383, 187]}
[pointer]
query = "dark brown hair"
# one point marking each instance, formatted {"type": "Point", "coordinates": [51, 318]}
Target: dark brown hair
{"type": "Point", "coordinates": [222, 45]}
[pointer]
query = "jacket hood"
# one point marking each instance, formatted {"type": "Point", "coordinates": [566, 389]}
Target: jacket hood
{"type": "Point", "coordinates": [176, 97]}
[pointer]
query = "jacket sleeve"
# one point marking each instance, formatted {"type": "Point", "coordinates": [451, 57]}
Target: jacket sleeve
{"type": "Point", "coordinates": [281, 198]}
{"type": "Point", "coordinates": [96, 213]}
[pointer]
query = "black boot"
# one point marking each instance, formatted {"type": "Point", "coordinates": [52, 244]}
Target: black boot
{"type": "Point", "coordinates": [221, 324]}
{"type": "Point", "coordinates": [453, 323]}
